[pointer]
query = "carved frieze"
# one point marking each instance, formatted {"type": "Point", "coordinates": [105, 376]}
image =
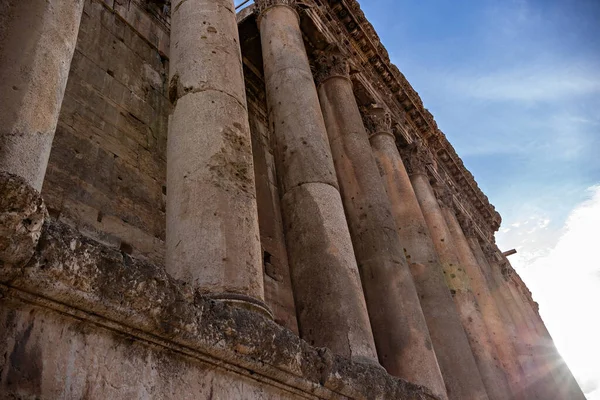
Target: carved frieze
{"type": "Point", "coordinates": [330, 63]}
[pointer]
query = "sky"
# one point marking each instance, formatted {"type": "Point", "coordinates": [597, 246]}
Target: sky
{"type": "Point", "coordinates": [515, 86]}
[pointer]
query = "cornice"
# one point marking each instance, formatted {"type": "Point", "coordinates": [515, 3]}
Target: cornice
{"type": "Point", "coordinates": [364, 38]}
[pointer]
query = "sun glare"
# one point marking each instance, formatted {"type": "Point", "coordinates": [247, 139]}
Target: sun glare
{"type": "Point", "coordinates": [566, 283]}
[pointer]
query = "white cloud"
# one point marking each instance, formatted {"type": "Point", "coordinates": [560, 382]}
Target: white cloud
{"type": "Point", "coordinates": [565, 281]}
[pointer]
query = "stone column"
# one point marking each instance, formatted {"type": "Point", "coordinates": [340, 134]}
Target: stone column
{"type": "Point", "coordinates": [457, 281]}
{"type": "Point", "coordinates": [212, 222]}
{"type": "Point", "coordinates": [564, 381]}
{"type": "Point", "coordinates": [450, 342]}
{"type": "Point", "coordinates": [489, 311]}
{"type": "Point", "coordinates": [516, 320]}
{"type": "Point", "coordinates": [330, 304]}
{"type": "Point", "coordinates": [37, 41]}
{"type": "Point", "coordinates": [552, 376]}
{"type": "Point", "coordinates": [505, 316]}
{"type": "Point", "coordinates": [543, 377]}
{"type": "Point", "coordinates": [399, 328]}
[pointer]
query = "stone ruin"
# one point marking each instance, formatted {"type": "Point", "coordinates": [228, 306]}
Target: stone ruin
{"type": "Point", "coordinates": [200, 203]}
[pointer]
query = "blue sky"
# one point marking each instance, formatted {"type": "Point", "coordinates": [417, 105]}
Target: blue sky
{"type": "Point", "coordinates": [515, 86]}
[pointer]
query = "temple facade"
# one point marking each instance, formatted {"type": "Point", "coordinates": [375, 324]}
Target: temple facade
{"type": "Point", "coordinates": [199, 202]}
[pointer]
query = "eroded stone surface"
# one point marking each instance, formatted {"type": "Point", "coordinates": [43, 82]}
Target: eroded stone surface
{"type": "Point", "coordinates": [97, 284]}
{"type": "Point", "coordinates": [22, 214]}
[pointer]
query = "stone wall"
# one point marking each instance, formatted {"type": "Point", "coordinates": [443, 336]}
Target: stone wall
{"type": "Point", "coordinates": [54, 356]}
{"type": "Point", "coordinates": [107, 168]}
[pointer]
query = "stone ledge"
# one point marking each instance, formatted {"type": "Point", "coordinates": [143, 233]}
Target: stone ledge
{"type": "Point", "coordinates": [75, 275]}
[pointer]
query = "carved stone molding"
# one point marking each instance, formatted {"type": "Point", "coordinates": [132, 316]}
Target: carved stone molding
{"type": "Point", "coordinates": [377, 120]}
{"type": "Point", "coordinates": [330, 63]}
{"type": "Point", "coordinates": [417, 158]}
{"type": "Point", "coordinates": [263, 5]}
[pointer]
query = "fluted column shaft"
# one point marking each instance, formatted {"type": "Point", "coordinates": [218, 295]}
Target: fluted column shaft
{"type": "Point", "coordinates": [489, 310]}
{"type": "Point", "coordinates": [212, 220]}
{"type": "Point", "coordinates": [329, 300]}
{"type": "Point", "coordinates": [37, 42]}
{"type": "Point", "coordinates": [468, 309]}
{"type": "Point", "coordinates": [399, 328]}
{"type": "Point", "coordinates": [450, 342]}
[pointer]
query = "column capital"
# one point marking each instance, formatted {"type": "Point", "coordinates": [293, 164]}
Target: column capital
{"type": "Point", "coordinates": [506, 269]}
{"type": "Point", "coordinates": [444, 196]}
{"type": "Point", "coordinates": [490, 250]}
{"type": "Point", "coordinates": [330, 63]}
{"type": "Point", "coordinates": [263, 5]}
{"type": "Point", "coordinates": [467, 225]}
{"type": "Point", "coordinates": [416, 158]}
{"type": "Point", "coordinates": [377, 120]}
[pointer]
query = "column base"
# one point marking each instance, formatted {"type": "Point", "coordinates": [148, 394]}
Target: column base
{"type": "Point", "coordinates": [243, 301]}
